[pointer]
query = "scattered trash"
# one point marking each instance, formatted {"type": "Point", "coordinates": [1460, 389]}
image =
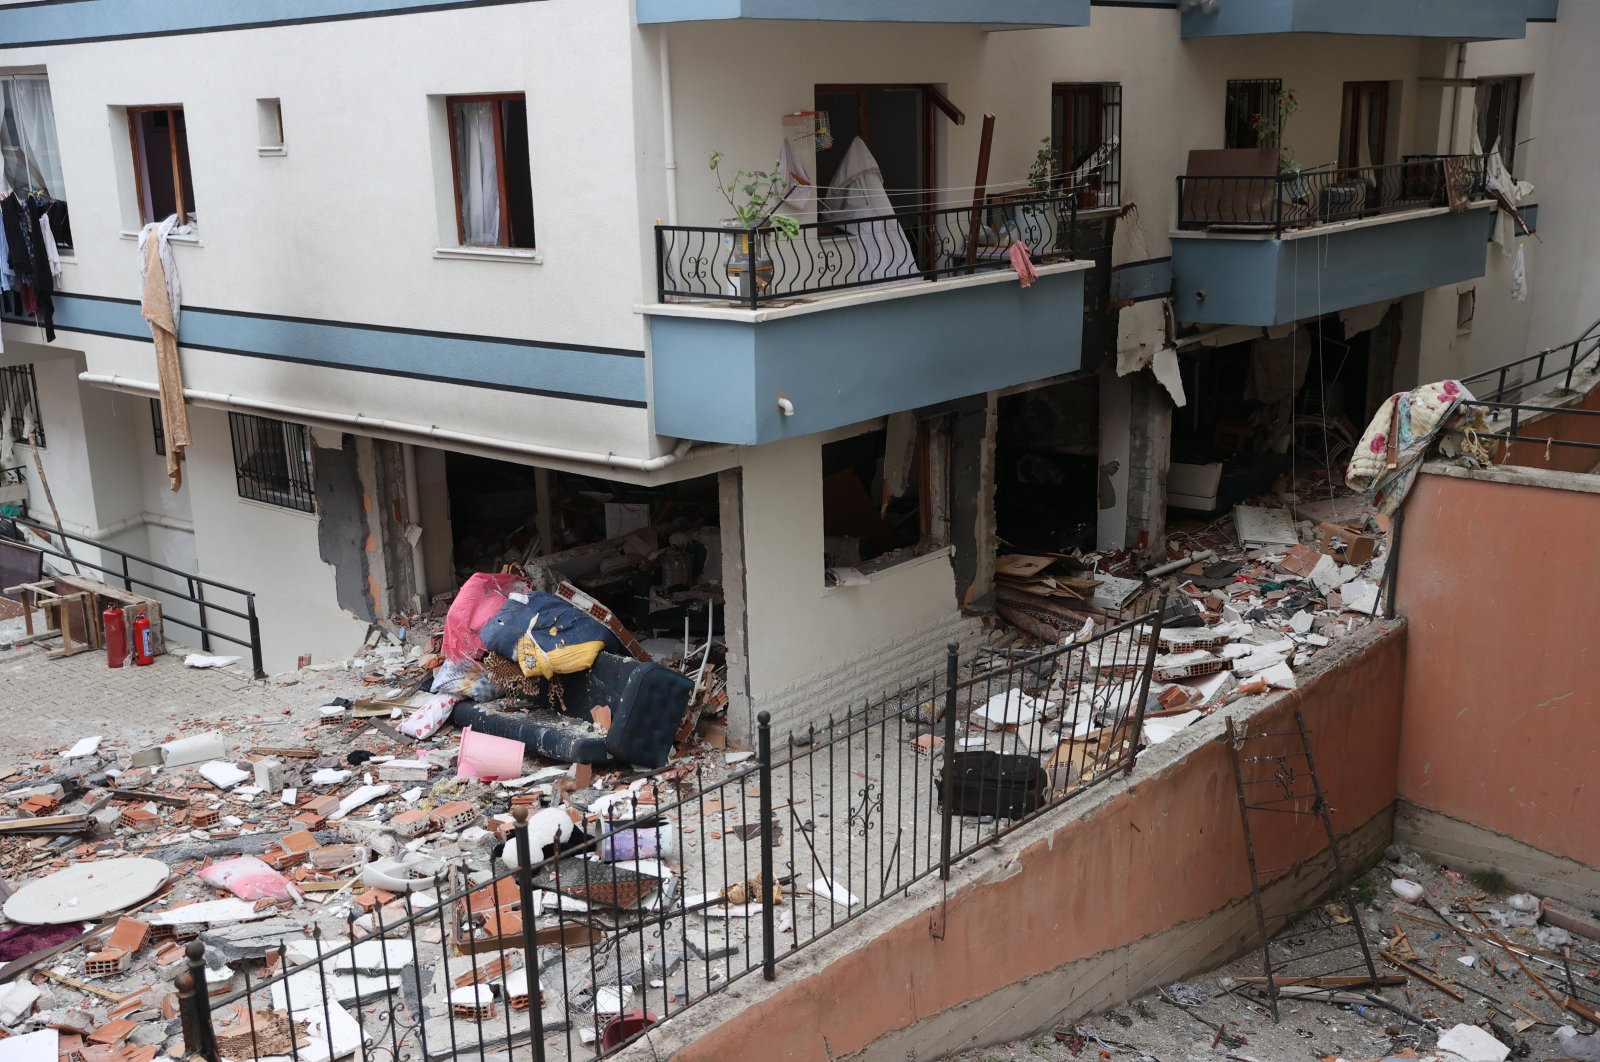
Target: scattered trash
{"type": "Point", "coordinates": [204, 660]}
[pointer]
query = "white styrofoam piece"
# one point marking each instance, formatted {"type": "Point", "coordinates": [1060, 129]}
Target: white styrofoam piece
{"type": "Point", "coordinates": [87, 890]}
{"type": "Point", "coordinates": [208, 911]}
{"type": "Point", "coordinates": [1301, 622]}
{"type": "Point", "coordinates": [41, 1046]}
{"type": "Point", "coordinates": [85, 747]}
{"type": "Point", "coordinates": [1474, 1045]}
{"type": "Point", "coordinates": [1280, 676]}
{"type": "Point", "coordinates": [1158, 730]}
{"type": "Point", "coordinates": [1257, 661]}
{"type": "Point", "coordinates": [1013, 707]}
{"type": "Point", "coordinates": [364, 795]}
{"type": "Point", "coordinates": [834, 891]}
{"type": "Point", "coordinates": [16, 1000]}
{"type": "Point", "coordinates": [207, 660]}
{"type": "Point", "coordinates": [196, 748]}
{"type": "Point", "coordinates": [223, 774]}
{"type": "Point", "coordinates": [1360, 595]}
{"type": "Point", "coordinates": [1264, 527]}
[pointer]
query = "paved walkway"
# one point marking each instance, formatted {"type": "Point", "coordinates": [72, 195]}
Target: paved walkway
{"type": "Point", "coordinates": [46, 705]}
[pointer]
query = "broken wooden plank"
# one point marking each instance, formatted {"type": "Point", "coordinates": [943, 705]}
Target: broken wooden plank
{"type": "Point", "coordinates": [1348, 981]}
{"type": "Point", "coordinates": [1423, 975]}
{"type": "Point", "coordinates": [46, 824]}
{"type": "Point", "coordinates": [294, 752]}
{"type": "Point", "coordinates": [146, 794]}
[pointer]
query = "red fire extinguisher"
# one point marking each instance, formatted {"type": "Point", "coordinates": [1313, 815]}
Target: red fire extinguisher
{"type": "Point", "coordinates": [144, 642]}
{"type": "Point", "coordinates": [116, 633]}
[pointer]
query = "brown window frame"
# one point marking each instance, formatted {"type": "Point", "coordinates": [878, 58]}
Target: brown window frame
{"type": "Point", "coordinates": [499, 162]}
{"type": "Point", "coordinates": [1351, 130]}
{"type": "Point", "coordinates": [1104, 105]}
{"type": "Point", "coordinates": [178, 189]}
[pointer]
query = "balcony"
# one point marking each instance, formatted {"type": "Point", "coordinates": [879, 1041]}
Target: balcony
{"type": "Point", "coordinates": [997, 13]}
{"type": "Point", "coordinates": [1270, 250]}
{"type": "Point", "coordinates": [1455, 19]}
{"type": "Point", "coordinates": [757, 337]}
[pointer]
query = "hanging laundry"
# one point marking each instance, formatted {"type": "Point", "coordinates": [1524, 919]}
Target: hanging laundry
{"type": "Point", "coordinates": [802, 194]}
{"type": "Point", "coordinates": [1519, 277]}
{"type": "Point", "coordinates": [159, 306]}
{"type": "Point", "coordinates": [1022, 262]}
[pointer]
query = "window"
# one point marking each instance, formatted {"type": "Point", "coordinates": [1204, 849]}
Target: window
{"type": "Point", "coordinates": [272, 461]}
{"type": "Point", "coordinates": [1086, 126]}
{"type": "Point", "coordinates": [1364, 131]}
{"type": "Point", "coordinates": [1498, 101]}
{"type": "Point", "coordinates": [158, 428]}
{"type": "Point", "coordinates": [30, 159]}
{"type": "Point", "coordinates": [19, 397]}
{"type": "Point", "coordinates": [885, 496]}
{"type": "Point", "coordinates": [1248, 102]}
{"type": "Point", "coordinates": [1466, 310]}
{"type": "Point", "coordinates": [493, 180]}
{"type": "Point", "coordinates": [269, 126]}
{"type": "Point", "coordinates": [161, 164]}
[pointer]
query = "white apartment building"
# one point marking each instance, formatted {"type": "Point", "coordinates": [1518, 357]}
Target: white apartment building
{"type": "Point", "coordinates": [444, 289]}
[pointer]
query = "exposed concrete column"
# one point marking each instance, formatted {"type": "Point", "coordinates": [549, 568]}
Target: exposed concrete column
{"type": "Point", "coordinates": [974, 429]}
{"type": "Point", "coordinates": [736, 613]}
{"type": "Point", "coordinates": [433, 512]}
{"type": "Point", "coordinates": [1116, 398]}
{"type": "Point", "coordinates": [1149, 458]}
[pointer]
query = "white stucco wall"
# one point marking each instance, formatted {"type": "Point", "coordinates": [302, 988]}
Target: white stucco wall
{"type": "Point", "coordinates": [798, 627]}
{"type": "Point", "coordinates": [267, 549]}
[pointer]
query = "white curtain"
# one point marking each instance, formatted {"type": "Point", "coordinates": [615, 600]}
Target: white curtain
{"type": "Point", "coordinates": [35, 120]}
{"type": "Point", "coordinates": [479, 173]}
{"type": "Point", "coordinates": [881, 250]}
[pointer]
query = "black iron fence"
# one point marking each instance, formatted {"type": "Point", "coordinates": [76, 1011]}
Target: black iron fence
{"type": "Point", "coordinates": [1286, 201]}
{"type": "Point", "coordinates": [569, 953]}
{"type": "Point", "coordinates": [225, 600]}
{"type": "Point", "coordinates": [1563, 361]}
{"type": "Point", "coordinates": [761, 266]}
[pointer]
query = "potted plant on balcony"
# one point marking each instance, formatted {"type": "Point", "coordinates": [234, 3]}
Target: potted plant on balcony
{"type": "Point", "coordinates": [1269, 129]}
{"type": "Point", "coordinates": [1040, 223]}
{"type": "Point", "coordinates": [755, 196]}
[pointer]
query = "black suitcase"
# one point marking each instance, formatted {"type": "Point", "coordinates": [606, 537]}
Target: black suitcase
{"type": "Point", "coordinates": [987, 783]}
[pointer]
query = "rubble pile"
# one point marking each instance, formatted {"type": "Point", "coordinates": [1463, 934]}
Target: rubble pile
{"type": "Point", "coordinates": [1479, 973]}
{"type": "Point", "coordinates": [383, 805]}
{"type": "Point", "coordinates": [1250, 601]}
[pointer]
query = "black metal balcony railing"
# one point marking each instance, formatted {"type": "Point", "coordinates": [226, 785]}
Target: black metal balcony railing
{"type": "Point", "coordinates": [759, 267]}
{"type": "Point", "coordinates": [1287, 201]}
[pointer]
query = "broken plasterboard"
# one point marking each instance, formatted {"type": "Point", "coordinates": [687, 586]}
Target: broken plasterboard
{"type": "Point", "coordinates": [1264, 527]}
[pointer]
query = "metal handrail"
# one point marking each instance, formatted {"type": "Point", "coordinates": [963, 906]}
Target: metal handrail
{"type": "Point", "coordinates": [1278, 203]}
{"type": "Point", "coordinates": [759, 266]}
{"type": "Point", "coordinates": [194, 585]}
{"type": "Point", "coordinates": [1591, 336]}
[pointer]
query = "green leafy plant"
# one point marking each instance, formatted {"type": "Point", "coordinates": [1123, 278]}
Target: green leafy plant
{"type": "Point", "coordinates": [1046, 169]}
{"type": "Point", "coordinates": [755, 195]}
{"type": "Point", "coordinates": [1269, 127]}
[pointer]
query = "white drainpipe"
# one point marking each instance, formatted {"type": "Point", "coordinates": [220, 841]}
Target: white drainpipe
{"type": "Point", "coordinates": [669, 148]}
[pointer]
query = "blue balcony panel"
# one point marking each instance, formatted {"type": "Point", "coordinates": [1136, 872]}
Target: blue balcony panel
{"type": "Point", "coordinates": [998, 13]}
{"type": "Point", "coordinates": [717, 373]}
{"type": "Point", "coordinates": [1231, 279]}
{"type": "Point", "coordinates": [1465, 19]}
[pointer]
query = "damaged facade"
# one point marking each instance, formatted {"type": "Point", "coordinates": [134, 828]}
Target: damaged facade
{"type": "Point", "coordinates": [421, 397]}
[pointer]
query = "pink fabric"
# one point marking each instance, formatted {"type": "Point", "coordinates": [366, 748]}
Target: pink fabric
{"type": "Point", "coordinates": [1022, 262]}
{"type": "Point", "coordinates": [480, 597]}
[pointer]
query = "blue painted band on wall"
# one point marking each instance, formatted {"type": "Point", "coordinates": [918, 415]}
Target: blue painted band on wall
{"type": "Point", "coordinates": [977, 12]}
{"type": "Point", "coordinates": [585, 374]}
{"type": "Point", "coordinates": [88, 21]}
{"type": "Point", "coordinates": [1468, 19]}
{"type": "Point", "coordinates": [1139, 281]}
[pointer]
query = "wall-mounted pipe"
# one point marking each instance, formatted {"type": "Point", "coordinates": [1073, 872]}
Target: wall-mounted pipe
{"type": "Point", "coordinates": [669, 148]}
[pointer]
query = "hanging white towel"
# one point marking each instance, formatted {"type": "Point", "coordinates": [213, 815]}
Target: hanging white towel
{"type": "Point", "coordinates": [802, 193]}
{"type": "Point", "coordinates": [1519, 276]}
